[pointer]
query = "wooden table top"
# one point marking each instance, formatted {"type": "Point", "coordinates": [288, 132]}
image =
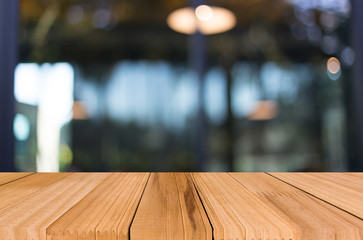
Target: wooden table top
{"type": "Point", "coordinates": [181, 206]}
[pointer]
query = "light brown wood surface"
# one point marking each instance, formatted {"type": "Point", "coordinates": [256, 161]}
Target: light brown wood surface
{"type": "Point", "coordinates": [236, 213]}
{"type": "Point", "coordinates": [300, 209]}
{"type": "Point", "coordinates": [29, 217]}
{"type": "Point", "coordinates": [9, 177]}
{"type": "Point", "coordinates": [342, 190]}
{"type": "Point", "coordinates": [17, 190]}
{"type": "Point", "coordinates": [170, 209]}
{"type": "Point", "coordinates": [102, 211]}
{"type": "Point", "coordinates": [236, 206]}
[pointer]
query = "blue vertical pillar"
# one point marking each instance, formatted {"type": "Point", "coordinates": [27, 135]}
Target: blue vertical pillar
{"type": "Point", "coordinates": [356, 163]}
{"type": "Point", "coordinates": [8, 58]}
{"type": "Point", "coordinates": [197, 54]}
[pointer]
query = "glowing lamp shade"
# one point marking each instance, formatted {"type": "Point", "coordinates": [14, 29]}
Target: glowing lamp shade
{"type": "Point", "coordinates": [205, 19]}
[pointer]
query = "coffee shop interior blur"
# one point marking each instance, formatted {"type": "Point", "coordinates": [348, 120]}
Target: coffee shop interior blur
{"type": "Point", "coordinates": [178, 85]}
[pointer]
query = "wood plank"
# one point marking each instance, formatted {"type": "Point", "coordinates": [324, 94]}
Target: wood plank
{"type": "Point", "coordinates": [341, 190]}
{"type": "Point", "coordinates": [19, 189]}
{"type": "Point", "coordinates": [9, 177]}
{"type": "Point", "coordinates": [167, 206]}
{"type": "Point", "coordinates": [130, 198]}
{"type": "Point", "coordinates": [107, 211]}
{"type": "Point", "coordinates": [356, 174]}
{"type": "Point", "coordinates": [314, 219]}
{"type": "Point", "coordinates": [29, 217]}
{"type": "Point", "coordinates": [236, 213]}
{"type": "Point", "coordinates": [170, 209]}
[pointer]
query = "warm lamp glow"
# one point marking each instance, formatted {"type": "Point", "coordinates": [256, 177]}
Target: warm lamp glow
{"type": "Point", "coordinates": [333, 65]}
{"type": "Point", "coordinates": [264, 110]}
{"type": "Point", "coordinates": [206, 19]}
{"type": "Point", "coordinates": [183, 20]}
{"type": "Point", "coordinates": [79, 111]}
{"type": "Point", "coordinates": [204, 12]}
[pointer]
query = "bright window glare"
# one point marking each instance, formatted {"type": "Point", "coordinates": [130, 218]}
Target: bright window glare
{"type": "Point", "coordinates": [186, 97]}
{"type": "Point", "coordinates": [275, 82]}
{"type": "Point", "coordinates": [27, 83]}
{"type": "Point", "coordinates": [244, 99]}
{"type": "Point", "coordinates": [137, 91]}
{"type": "Point", "coordinates": [48, 86]}
{"type": "Point", "coordinates": [244, 93]}
{"type": "Point", "coordinates": [55, 109]}
{"type": "Point", "coordinates": [279, 82]}
{"type": "Point", "coordinates": [215, 96]}
{"type": "Point", "coordinates": [57, 91]}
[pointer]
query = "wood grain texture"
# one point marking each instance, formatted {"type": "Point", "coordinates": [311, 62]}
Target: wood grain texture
{"type": "Point", "coordinates": [19, 189]}
{"type": "Point", "coordinates": [106, 212]}
{"type": "Point", "coordinates": [356, 174]}
{"type": "Point", "coordinates": [344, 191]}
{"type": "Point", "coordinates": [236, 213]}
{"type": "Point", "coordinates": [285, 200]}
{"type": "Point", "coordinates": [9, 177]}
{"type": "Point", "coordinates": [28, 218]}
{"type": "Point", "coordinates": [170, 209]}
{"type": "Point", "coordinates": [258, 206]}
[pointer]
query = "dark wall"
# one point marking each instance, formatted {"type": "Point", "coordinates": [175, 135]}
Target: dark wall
{"type": "Point", "coordinates": [8, 53]}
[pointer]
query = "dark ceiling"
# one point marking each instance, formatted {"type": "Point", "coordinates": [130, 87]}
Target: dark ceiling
{"type": "Point", "coordinates": [137, 30]}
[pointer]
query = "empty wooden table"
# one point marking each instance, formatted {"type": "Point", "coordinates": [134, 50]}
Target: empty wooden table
{"type": "Point", "coordinates": [181, 206]}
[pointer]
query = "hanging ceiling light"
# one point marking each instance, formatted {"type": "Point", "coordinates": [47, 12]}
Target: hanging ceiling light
{"type": "Point", "coordinates": [205, 19]}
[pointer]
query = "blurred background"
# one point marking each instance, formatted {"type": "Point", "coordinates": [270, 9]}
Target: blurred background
{"type": "Point", "coordinates": [164, 85]}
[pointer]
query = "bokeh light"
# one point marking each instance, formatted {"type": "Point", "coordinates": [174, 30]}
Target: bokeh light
{"type": "Point", "coordinates": [21, 127]}
{"type": "Point", "coordinates": [75, 14]}
{"type": "Point", "coordinates": [101, 18]}
{"type": "Point", "coordinates": [333, 68]}
{"type": "Point", "coordinates": [264, 110]}
{"type": "Point", "coordinates": [330, 44]}
{"type": "Point", "coordinates": [333, 65]}
{"type": "Point", "coordinates": [79, 111]}
{"type": "Point", "coordinates": [204, 12]}
{"type": "Point", "coordinates": [328, 21]}
{"type": "Point", "coordinates": [348, 56]}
